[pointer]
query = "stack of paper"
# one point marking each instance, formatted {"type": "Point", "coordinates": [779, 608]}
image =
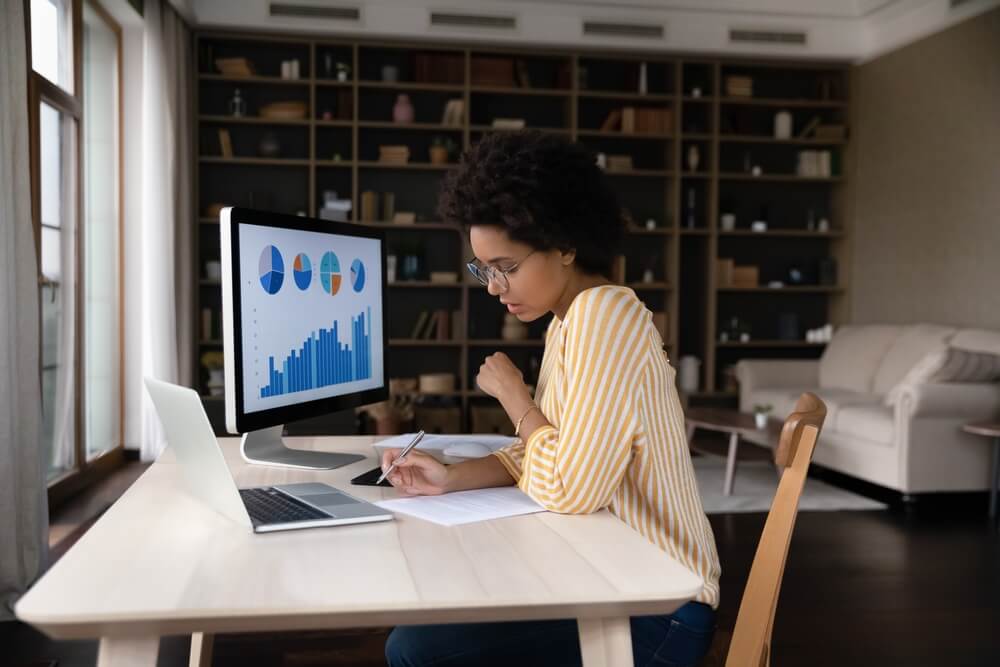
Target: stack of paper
{"type": "Point", "coordinates": [453, 509]}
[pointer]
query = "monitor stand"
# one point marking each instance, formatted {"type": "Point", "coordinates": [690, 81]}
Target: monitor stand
{"type": "Point", "coordinates": [265, 447]}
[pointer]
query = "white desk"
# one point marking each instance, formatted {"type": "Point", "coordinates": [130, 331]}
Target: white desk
{"type": "Point", "coordinates": [160, 563]}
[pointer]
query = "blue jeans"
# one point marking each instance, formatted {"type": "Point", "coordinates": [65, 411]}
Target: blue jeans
{"type": "Point", "coordinates": [677, 640]}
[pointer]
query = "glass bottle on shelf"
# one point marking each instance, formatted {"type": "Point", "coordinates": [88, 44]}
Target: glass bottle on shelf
{"type": "Point", "coordinates": [237, 105]}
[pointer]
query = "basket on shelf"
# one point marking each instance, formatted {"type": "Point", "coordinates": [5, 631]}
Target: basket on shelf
{"type": "Point", "coordinates": [291, 110]}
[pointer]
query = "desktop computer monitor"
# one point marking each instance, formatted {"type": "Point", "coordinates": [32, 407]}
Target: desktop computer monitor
{"type": "Point", "coordinates": [303, 323]}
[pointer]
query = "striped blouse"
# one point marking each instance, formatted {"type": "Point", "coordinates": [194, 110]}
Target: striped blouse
{"type": "Point", "coordinates": [617, 438]}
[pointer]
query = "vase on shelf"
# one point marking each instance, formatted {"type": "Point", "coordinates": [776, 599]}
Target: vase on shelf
{"type": "Point", "coordinates": [402, 111]}
{"type": "Point", "coordinates": [693, 157]}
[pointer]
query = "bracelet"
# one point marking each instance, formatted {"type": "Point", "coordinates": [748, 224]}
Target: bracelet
{"type": "Point", "coordinates": [517, 427]}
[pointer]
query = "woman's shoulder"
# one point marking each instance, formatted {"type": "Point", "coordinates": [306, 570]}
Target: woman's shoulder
{"type": "Point", "coordinates": [606, 307]}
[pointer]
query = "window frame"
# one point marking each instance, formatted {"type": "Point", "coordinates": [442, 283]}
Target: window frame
{"type": "Point", "coordinates": [84, 473]}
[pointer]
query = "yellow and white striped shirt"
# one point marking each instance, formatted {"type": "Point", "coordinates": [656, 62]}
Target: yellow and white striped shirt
{"type": "Point", "coordinates": [617, 438]}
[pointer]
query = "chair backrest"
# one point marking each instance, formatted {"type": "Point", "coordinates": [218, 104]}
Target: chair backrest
{"type": "Point", "coordinates": [751, 641]}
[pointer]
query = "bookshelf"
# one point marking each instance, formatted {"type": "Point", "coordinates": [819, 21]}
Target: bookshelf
{"type": "Point", "coordinates": [335, 146]}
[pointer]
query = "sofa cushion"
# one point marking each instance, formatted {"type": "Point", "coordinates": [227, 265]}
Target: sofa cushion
{"type": "Point", "coordinates": [853, 356]}
{"type": "Point", "coordinates": [912, 345]}
{"type": "Point", "coordinates": [977, 340]}
{"type": "Point", "coordinates": [866, 422]}
{"type": "Point", "coordinates": [948, 364]}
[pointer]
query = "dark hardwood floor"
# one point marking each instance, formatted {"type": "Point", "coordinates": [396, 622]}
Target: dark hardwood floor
{"type": "Point", "coordinates": [914, 586]}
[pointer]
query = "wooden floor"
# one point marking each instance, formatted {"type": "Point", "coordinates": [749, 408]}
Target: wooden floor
{"type": "Point", "coordinates": [917, 586]}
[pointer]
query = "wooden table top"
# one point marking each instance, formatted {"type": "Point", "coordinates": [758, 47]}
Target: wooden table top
{"type": "Point", "coordinates": [989, 429]}
{"type": "Point", "coordinates": [733, 421]}
{"type": "Point", "coordinates": [160, 562]}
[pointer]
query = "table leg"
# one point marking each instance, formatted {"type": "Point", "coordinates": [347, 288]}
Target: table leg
{"type": "Point", "coordinates": [690, 433]}
{"type": "Point", "coordinates": [996, 481]}
{"type": "Point", "coordinates": [201, 650]}
{"type": "Point", "coordinates": [727, 487]}
{"type": "Point", "coordinates": [128, 652]}
{"type": "Point", "coordinates": [605, 642]}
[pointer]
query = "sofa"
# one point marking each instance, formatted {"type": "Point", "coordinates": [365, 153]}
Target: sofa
{"type": "Point", "coordinates": [897, 397]}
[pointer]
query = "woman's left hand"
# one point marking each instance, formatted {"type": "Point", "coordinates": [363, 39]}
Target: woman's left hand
{"type": "Point", "coordinates": [500, 378]}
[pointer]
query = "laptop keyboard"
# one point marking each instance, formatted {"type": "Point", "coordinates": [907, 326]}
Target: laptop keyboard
{"type": "Point", "coordinates": [268, 506]}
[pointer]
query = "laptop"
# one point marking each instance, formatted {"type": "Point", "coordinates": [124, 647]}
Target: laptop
{"type": "Point", "coordinates": [264, 509]}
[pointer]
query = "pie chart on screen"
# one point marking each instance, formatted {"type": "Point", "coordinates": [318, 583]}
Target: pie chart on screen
{"type": "Point", "coordinates": [357, 275]}
{"type": "Point", "coordinates": [329, 273]}
{"type": "Point", "coordinates": [271, 269]}
{"type": "Point", "coordinates": [302, 271]}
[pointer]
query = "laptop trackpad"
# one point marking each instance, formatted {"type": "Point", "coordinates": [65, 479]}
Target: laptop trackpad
{"type": "Point", "coordinates": [323, 496]}
{"type": "Point", "coordinates": [329, 499]}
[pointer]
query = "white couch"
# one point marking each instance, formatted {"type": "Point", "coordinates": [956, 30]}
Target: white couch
{"type": "Point", "coordinates": [911, 442]}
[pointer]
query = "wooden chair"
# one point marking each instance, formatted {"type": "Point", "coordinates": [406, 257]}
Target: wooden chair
{"type": "Point", "coordinates": [749, 645]}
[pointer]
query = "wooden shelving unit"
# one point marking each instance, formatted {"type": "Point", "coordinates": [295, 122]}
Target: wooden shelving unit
{"type": "Point", "coordinates": [335, 147]}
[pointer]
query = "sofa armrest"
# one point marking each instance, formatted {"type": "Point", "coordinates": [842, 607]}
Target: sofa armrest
{"type": "Point", "coordinates": [777, 373]}
{"type": "Point", "coordinates": [953, 400]}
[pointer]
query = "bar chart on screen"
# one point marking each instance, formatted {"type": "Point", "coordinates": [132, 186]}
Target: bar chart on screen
{"type": "Point", "coordinates": [323, 360]}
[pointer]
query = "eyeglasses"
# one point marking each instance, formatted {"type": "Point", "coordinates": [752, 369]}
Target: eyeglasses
{"type": "Point", "coordinates": [485, 274]}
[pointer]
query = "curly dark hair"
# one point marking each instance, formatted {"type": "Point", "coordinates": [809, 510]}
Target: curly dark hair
{"type": "Point", "coordinates": [544, 190]}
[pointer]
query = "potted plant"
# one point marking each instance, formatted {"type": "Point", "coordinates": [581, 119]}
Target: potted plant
{"type": "Point", "coordinates": [212, 361]}
{"type": "Point", "coordinates": [343, 71]}
{"type": "Point", "coordinates": [442, 149]}
{"type": "Point", "coordinates": [760, 414]}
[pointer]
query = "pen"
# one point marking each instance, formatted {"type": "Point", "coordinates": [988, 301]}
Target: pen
{"type": "Point", "coordinates": [406, 450]}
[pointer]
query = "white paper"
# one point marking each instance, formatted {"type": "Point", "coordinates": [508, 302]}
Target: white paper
{"type": "Point", "coordinates": [453, 509]}
{"type": "Point", "coordinates": [436, 442]}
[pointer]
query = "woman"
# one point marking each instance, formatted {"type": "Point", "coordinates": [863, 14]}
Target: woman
{"type": "Point", "coordinates": [605, 428]}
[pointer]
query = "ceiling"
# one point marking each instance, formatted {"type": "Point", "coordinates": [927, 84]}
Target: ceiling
{"type": "Point", "coordinates": [842, 30]}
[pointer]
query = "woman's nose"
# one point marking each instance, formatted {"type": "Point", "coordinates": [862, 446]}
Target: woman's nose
{"type": "Point", "coordinates": [493, 287]}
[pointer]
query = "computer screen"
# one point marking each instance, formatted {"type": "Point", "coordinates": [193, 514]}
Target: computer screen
{"type": "Point", "coordinates": [303, 317]}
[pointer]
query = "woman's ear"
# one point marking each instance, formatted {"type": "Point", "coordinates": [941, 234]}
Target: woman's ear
{"type": "Point", "coordinates": [567, 257]}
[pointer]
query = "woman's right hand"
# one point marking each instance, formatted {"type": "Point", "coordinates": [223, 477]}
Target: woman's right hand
{"type": "Point", "coordinates": [418, 474]}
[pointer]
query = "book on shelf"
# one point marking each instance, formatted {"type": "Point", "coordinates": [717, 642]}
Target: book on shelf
{"type": "Point", "coordinates": [492, 71]}
{"type": "Point", "coordinates": [404, 218]}
{"type": "Point", "coordinates": [830, 132]}
{"type": "Point", "coordinates": [225, 143]}
{"type": "Point", "coordinates": [454, 113]}
{"type": "Point", "coordinates": [521, 72]}
{"type": "Point", "coordinates": [613, 121]}
{"type": "Point", "coordinates": [628, 120]}
{"type": "Point", "coordinates": [809, 127]}
{"type": "Point", "coordinates": [508, 123]}
{"type": "Point", "coordinates": [420, 325]}
{"type": "Point", "coordinates": [394, 154]}
{"type": "Point", "coordinates": [369, 206]}
{"type": "Point", "coordinates": [619, 163]}
{"type": "Point", "coordinates": [443, 329]}
{"type": "Point", "coordinates": [388, 206]}
{"type": "Point", "coordinates": [445, 68]}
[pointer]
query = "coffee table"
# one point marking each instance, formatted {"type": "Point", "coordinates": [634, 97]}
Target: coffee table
{"type": "Point", "coordinates": [738, 425]}
{"type": "Point", "coordinates": [990, 430]}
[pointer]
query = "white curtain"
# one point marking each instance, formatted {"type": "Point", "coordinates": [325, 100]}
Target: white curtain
{"type": "Point", "coordinates": [164, 269]}
{"type": "Point", "coordinates": [23, 495]}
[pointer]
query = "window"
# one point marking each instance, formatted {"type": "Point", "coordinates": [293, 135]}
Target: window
{"type": "Point", "coordinates": [52, 41]}
{"type": "Point", "coordinates": [75, 93]}
{"type": "Point", "coordinates": [101, 235]}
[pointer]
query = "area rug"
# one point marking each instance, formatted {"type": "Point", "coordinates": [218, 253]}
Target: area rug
{"type": "Point", "coordinates": [755, 484]}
